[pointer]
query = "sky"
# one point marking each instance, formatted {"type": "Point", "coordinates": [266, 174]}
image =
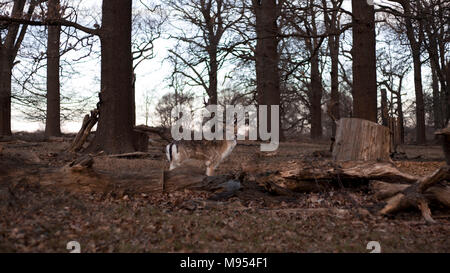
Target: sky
{"type": "Point", "coordinates": [151, 79]}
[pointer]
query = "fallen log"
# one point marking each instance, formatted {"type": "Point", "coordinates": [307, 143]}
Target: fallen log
{"type": "Point", "coordinates": [383, 190]}
{"type": "Point", "coordinates": [414, 195]}
{"type": "Point", "coordinates": [130, 155]}
{"type": "Point", "coordinates": [437, 193]}
{"type": "Point", "coordinates": [161, 132]}
{"type": "Point", "coordinates": [328, 170]}
{"type": "Point", "coordinates": [81, 176]}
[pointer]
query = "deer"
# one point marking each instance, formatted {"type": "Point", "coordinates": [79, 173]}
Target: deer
{"type": "Point", "coordinates": [212, 152]}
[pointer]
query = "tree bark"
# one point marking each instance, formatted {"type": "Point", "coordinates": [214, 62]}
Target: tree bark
{"type": "Point", "coordinates": [213, 67]}
{"type": "Point", "coordinates": [437, 113]}
{"type": "Point", "coordinates": [364, 61]}
{"type": "Point", "coordinates": [316, 88]}
{"type": "Point", "coordinates": [266, 55]}
{"type": "Point", "coordinates": [335, 96]}
{"type": "Point", "coordinates": [420, 105]}
{"type": "Point", "coordinates": [401, 121]}
{"type": "Point", "coordinates": [361, 140]}
{"type": "Point", "coordinates": [316, 98]}
{"type": "Point", "coordinates": [5, 93]}
{"type": "Point", "coordinates": [447, 93]}
{"type": "Point", "coordinates": [384, 108]}
{"type": "Point", "coordinates": [52, 124]}
{"type": "Point", "coordinates": [7, 52]}
{"type": "Point", "coordinates": [115, 133]}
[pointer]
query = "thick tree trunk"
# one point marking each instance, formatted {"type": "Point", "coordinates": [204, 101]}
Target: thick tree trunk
{"type": "Point", "coordinates": [212, 92]}
{"type": "Point", "coordinates": [5, 93]}
{"type": "Point", "coordinates": [420, 105]}
{"type": "Point", "coordinates": [266, 55]}
{"type": "Point", "coordinates": [361, 140]}
{"type": "Point", "coordinates": [437, 113]}
{"type": "Point", "coordinates": [52, 124]}
{"type": "Point", "coordinates": [316, 99]}
{"type": "Point", "coordinates": [364, 61]}
{"type": "Point", "coordinates": [8, 51]}
{"type": "Point", "coordinates": [115, 126]}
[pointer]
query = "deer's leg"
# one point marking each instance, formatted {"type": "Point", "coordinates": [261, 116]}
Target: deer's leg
{"type": "Point", "coordinates": [173, 164]}
{"type": "Point", "coordinates": [209, 171]}
{"type": "Point", "coordinates": [209, 168]}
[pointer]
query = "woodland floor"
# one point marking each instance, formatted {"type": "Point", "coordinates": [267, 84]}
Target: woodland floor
{"type": "Point", "coordinates": [42, 216]}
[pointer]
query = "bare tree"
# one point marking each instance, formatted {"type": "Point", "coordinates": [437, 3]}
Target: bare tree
{"type": "Point", "coordinates": [115, 132]}
{"type": "Point", "coordinates": [415, 35]}
{"type": "Point", "coordinates": [11, 37]}
{"type": "Point", "coordinates": [168, 102]}
{"type": "Point", "coordinates": [435, 25]}
{"type": "Point", "coordinates": [203, 44]}
{"type": "Point", "coordinates": [393, 68]}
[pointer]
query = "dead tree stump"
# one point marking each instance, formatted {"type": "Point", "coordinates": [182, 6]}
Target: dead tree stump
{"type": "Point", "coordinates": [88, 122]}
{"type": "Point", "coordinates": [361, 140]}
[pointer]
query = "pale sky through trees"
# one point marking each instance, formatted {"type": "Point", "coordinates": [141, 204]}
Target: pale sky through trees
{"type": "Point", "coordinates": [151, 77]}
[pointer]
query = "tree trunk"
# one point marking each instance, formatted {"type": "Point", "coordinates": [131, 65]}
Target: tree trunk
{"type": "Point", "coordinates": [437, 113]}
{"type": "Point", "coordinates": [316, 98]}
{"type": "Point", "coordinates": [401, 121]}
{"type": "Point", "coordinates": [364, 61]}
{"type": "Point", "coordinates": [361, 140]}
{"type": "Point", "coordinates": [52, 124]}
{"type": "Point", "coordinates": [432, 44]}
{"type": "Point", "coordinates": [8, 51]}
{"type": "Point", "coordinates": [5, 93]}
{"type": "Point", "coordinates": [115, 126]}
{"type": "Point", "coordinates": [420, 105]}
{"type": "Point", "coordinates": [332, 22]}
{"type": "Point", "coordinates": [133, 95]}
{"type": "Point", "coordinates": [384, 108]}
{"type": "Point", "coordinates": [335, 97]}
{"type": "Point", "coordinates": [266, 55]}
{"type": "Point", "coordinates": [447, 94]}
{"type": "Point", "coordinates": [213, 67]}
